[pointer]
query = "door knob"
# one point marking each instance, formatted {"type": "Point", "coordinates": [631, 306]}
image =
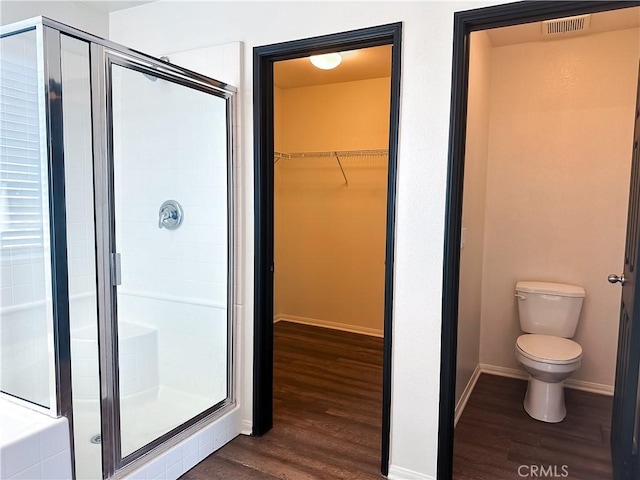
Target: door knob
{"type": "Point", "coordinates": [613, 278]}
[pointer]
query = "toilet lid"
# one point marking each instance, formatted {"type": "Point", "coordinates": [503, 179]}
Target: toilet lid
{"type": "Point", "coordinates": [549, 348]}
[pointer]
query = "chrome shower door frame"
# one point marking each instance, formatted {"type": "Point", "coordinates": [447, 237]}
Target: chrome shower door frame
{"type": "Point", "coordinates": [103, 57]}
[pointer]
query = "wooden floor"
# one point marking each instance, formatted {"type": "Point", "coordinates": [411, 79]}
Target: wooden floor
{"type": "Point", "coordinates": [495, 435]}
{"type": "Point", "coordinates": [327, 412]}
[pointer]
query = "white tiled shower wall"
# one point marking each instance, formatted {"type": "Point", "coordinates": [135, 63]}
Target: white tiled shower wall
{"type": "Point", "coordinates": [25, 354]}
{"type": "Point", "coordinates": [24, 316]}
{"type": "Point", "coordinates": [24, 340]}
{"type": "Point", "coordinates": [224, 63]}
{"type": "Point", "coordinates": [138, 346]}
{"type": "Point", "coordinates": [174, 149]}
{"type": "Point", "coordinates": [173, 281]}
{"type": "Point", "coordinates": [21, 269]}
{"type": "Point", "coordinates": [78, 185]}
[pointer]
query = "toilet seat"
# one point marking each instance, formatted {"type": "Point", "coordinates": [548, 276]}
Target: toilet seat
{"type": "Point", "coordinates": [549, 349]}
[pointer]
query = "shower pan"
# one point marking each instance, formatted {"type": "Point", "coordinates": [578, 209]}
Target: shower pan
{"type": "Point", "coordinates": [129, 318]}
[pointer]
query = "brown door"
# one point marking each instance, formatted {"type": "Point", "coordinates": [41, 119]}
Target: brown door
{"type": "Point", "coordinates": [625, 422]}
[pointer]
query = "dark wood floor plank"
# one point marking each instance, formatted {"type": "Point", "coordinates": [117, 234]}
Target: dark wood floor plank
{"type": "Point", "coordinates": [327, 412]}
{"type": "Point", "coordinates": [224, 469]}
{"type": "Point", "coordinates": [495, 435]}
{"type": "Point", "coordinates": [327, 399]}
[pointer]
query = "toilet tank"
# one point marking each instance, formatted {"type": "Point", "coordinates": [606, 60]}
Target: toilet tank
{"type": "Point", "coordinates": [549, 308]}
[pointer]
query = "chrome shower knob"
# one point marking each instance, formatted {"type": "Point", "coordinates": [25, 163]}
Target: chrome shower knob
{"type": "Point", "coordinates": [170, 215]}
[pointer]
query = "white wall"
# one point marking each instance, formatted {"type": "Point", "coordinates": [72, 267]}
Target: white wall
{"type": "Point", "coordinates": [76, 14]}
{"type": "Point", "coordinates": [473, 210]}
{"type": "Point", "coordinates": [426, 79]}
{"type": "Point", "coordinates": [557, 185]}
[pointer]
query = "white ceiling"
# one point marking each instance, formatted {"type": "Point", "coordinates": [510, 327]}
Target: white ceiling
{"type": "Point", "coordinates": [532, 32]}
{"type": "Point", "coordinates": [109, 6]}
{"type": "Point", "coordinates": [363, 64]}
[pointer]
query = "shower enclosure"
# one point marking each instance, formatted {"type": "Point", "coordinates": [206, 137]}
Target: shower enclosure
{"type": "Point", "coordinates": [116, 243]}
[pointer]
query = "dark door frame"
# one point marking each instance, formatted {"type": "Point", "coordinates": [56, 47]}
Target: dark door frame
{"type": "Point", "coordinates": [463, 24]}
{"type": "Point", "coordinates": [263, 130]}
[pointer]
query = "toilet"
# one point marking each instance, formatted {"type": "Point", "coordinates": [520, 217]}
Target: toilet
{"type": "Point", "coordinates": [549, 314]}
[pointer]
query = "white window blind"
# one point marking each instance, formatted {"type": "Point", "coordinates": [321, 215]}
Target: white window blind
{"type": "Point", "coordinates": [20, 163]}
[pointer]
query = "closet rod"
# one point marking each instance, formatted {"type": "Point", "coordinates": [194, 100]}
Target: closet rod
{"type": "Point", "coordinates": [333, 153]}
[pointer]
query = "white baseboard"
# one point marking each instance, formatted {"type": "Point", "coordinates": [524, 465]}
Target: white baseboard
{"type": "Point", "coordinates": [521, 375]}
{"type": "Point", "coordinates": [585, 386]}
{"type": "Point", "coordinates": [399, 473]}
{"type": "Point", "coordinates": [598, 388]}
{"type": "Point", "coordinates": [374, 332]}
{"type": "Point", "coordinates": [464, 398]}
{"type": "Point", "coordinates": [246, 427]}
{"type": "Point", "coordinates": [504, 371]}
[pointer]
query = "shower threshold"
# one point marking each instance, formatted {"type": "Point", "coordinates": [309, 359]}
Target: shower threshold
{"type": "Point", "coordinates": [144, 422]}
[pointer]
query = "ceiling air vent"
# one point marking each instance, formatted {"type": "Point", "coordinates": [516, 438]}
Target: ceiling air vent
{"type": "Point", "coordinates": [566, 25]}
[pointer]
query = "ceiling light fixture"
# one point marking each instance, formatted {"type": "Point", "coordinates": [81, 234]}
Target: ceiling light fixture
{"type": "Point", "coordinates": [328, 61]}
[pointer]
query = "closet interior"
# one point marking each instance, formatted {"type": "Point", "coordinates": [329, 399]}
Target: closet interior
{"type": "Point", "coordinates": [330, 173]}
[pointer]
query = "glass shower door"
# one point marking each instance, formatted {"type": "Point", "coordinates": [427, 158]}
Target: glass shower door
{"type": "Point", "coordinates": [170, 252]}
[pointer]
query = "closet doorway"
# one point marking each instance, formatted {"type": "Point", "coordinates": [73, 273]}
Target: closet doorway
{"type": "Point", "coordinates": [325, 218]}
{"type": "Point", "coordinates": [330, 174]}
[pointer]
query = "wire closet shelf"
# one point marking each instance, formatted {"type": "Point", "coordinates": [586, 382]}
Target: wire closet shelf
{"type": "Point", "coordinates": [337, 154]}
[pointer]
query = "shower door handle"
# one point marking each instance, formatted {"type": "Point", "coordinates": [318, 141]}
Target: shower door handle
{"type": "Point", "coordinates": [116, 270]}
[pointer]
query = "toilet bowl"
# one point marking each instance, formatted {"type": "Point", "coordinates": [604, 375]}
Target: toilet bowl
{"type": "Point", "coordinates": [549, 360]}
{"type": "Point", "coordinates": [548, 315]}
